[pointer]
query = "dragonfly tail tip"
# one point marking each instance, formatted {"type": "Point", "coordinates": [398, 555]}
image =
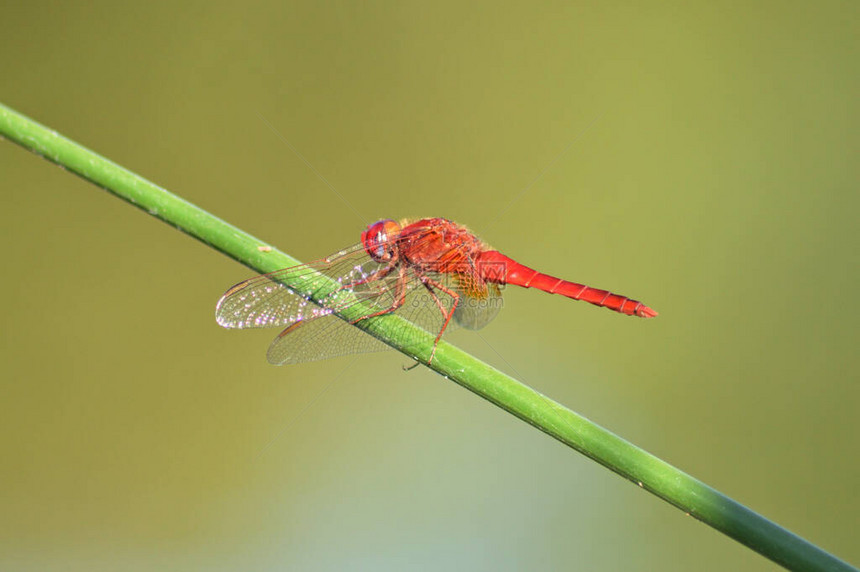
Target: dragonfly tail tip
{"type": "Point", "coordinates": [646, 312]}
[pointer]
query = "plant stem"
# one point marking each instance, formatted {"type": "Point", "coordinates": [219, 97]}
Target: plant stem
{"type": "Point", "coordinates": [683, 491]}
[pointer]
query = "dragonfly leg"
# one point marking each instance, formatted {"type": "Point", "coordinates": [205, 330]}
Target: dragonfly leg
{"type": "Point", "coordinates": [428, 282]}
{"type": "Point", "coordinates": [373, 277]}
{"type": "Point", "coordinates": [399, 297]}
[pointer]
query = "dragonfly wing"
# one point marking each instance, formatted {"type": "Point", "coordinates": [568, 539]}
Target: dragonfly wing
{"type": "Point", "coordinates": [267, 301]}
{"type": "Point", "coordinates": [428, 303]}
{"type": "Point", "coordinates": [323, 338]}
{"type": "Point", "coordinates": [477, 309]}
{"type": "Point", "coordinates": [330, 336]}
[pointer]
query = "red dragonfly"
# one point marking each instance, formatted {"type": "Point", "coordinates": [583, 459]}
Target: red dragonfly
{"type": "Point", "coordinates": [433, 272]}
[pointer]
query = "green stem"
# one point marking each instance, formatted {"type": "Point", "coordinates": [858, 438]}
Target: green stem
{"type": "Point", "coordinates": [690, 495]}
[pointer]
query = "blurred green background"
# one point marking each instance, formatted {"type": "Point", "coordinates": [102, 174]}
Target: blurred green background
{"type": "Point", "coordinates": [698, 157]}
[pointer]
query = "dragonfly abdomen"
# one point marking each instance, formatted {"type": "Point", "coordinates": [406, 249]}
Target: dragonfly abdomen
{"type": "Point", "coordinates": [496, 267]}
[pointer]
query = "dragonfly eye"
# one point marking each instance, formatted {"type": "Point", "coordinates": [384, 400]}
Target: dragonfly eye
{"type": "Point", "coordinates": [379, 239]}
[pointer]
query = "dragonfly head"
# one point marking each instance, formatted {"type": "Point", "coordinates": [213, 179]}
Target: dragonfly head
{"type": "Point", "coordinates": [380, 238]}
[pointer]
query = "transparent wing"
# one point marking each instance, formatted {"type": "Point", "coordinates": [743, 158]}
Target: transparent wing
{"type": "Point", "coordinates": [476, 311]}
{"type": "Point", "coordinates": [330, 336]}
{"type": "Point", "coordinates": [265, 301]}
{"type": "Point", "coordinates": [323, 338]}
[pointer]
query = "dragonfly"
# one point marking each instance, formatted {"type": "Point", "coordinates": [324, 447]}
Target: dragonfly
{"type": "Point", "coordinates": [432, 272]}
